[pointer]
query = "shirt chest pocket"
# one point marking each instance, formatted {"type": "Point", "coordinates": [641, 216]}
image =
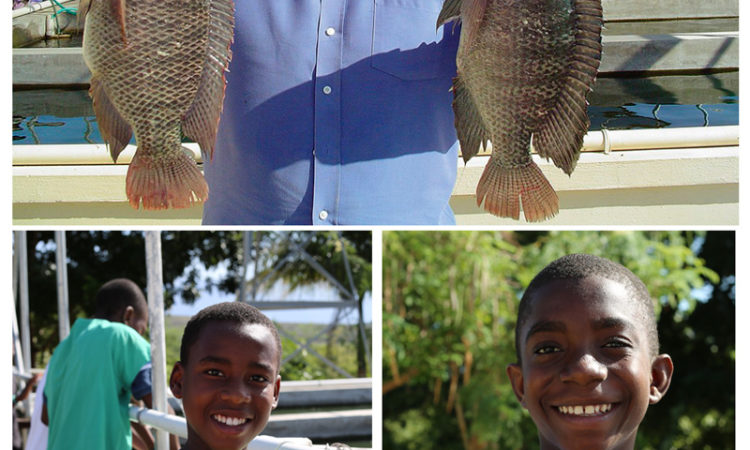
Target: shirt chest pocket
{"type": "Point", "coordinates": [406, 44]}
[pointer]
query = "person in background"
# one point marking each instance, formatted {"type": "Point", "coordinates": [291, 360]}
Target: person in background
{"type": "Point", "coordinates": [95, 370]}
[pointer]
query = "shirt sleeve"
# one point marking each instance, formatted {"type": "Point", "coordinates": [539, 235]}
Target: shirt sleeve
{"type": "Point", "coordinates": [131, 355]}
{"type": "Point", "coordinates": [142, 383]}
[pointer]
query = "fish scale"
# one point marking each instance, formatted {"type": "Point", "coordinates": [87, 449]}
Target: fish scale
{"type": "Point", "coordinates": [524, 68]}
{"type": "Point", "coordinates": [158, 73]}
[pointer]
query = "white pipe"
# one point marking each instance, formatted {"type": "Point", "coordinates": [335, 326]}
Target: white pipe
{"type": "Point", "coordinates": [63, 318]}
{"type": "Point", "coordinates": [28, 9]}
{"type": "Point", "coordinates": [178, 426]}
{"type": "Point", "coordinates": [156, 326]}
{"type": "Point", "coordinates": [686, 137]}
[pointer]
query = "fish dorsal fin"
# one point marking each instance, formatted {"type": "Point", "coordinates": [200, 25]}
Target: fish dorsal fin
{"type": "Point", "coordinates": [201, 122]}
{"type": "Point", "coordinates": [451, 11]}
{"type": "Point", "coordinates": [560, 135]}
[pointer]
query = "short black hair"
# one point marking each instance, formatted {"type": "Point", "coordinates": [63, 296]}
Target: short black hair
{"type": "Point", "coordinates": [236, 312]}
{"type": "Point", "coordinates": [580, 266]}
{"type": "Point", "coordinates": [115, 295]}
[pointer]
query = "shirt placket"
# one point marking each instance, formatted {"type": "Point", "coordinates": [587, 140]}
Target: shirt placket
{"type": "Point", "coordinates": [327, 151]}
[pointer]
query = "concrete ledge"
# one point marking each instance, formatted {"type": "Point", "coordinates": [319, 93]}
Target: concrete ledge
{"type": "Point", "coordinates": [671, 52]}
{"type": "Point", "coordinates": [297, 394]}
{"type": "Point", "coordinates": [688, 187]}
{"type": "Point", "coordinates": [668, 9]}
{"type": "Point", "coordinates": [321, 425]}
{"type": "Point", "coordinates": [49, 67]}
{"type": "Point", "coordinates": [622, 53]}
{"type": "Point", "coordinates": [640, 187]}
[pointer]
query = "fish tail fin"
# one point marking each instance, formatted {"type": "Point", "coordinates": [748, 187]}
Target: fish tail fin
{"type": "Point", "coordinates": [501, 187]}
{"type": "Point", "coordinates": [169, 181]}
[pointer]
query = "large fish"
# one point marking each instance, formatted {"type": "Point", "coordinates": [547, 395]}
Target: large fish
{"type": "Point", "coordinates": [158, 70]}
{"type": "Point", "coordinates": [524, 69]}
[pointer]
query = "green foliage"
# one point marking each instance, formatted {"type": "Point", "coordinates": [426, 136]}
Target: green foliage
{"type": "Point", "coordinates": [449, 310]}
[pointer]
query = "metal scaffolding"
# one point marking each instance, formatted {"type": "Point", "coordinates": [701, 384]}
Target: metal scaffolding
{"type": "Point", "coordinates": [344, 299]}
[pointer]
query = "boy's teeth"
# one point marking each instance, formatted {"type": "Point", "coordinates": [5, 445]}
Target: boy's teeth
{"type": "Point", "coordinates": [232, 421]}
{"type": "Point", "coordinates": [585, 410]}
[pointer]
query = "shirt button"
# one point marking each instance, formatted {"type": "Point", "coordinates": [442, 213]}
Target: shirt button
{"type": "Point", "coordinates": [323, 215]}
{"type": "Point", "coordinates": [330, 31]}
{"type": "Point", "coordinates": [326, 90]}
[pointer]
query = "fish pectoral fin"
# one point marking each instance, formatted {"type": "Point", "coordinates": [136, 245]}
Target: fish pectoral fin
{"type": "Point", "coordinates": [470, 129]}
{"type": "Point", "coordinates": [560, 134]}
{"type": "Point", "coordinates": [451, 11]}
{"type": "Point", "coordinates": [115, 130]}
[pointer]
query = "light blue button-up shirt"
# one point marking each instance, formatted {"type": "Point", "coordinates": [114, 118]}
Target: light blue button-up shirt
{"type": "Point", "coordinates": [336, 112]}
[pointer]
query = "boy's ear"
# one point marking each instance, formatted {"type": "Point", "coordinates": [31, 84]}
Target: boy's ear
{"type": "Point", "coordinates": [515, 374]}
{"type": "Point", "coordinates": [276, 390]}
{"type": "Point", "coordinates": [175, 380]}
{"type": "Point", "coordinates": [128, 315]}
{"type": "Point", "coordinates": [661, 376]}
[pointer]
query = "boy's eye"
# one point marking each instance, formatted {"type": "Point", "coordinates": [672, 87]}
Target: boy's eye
{"type": "Point", "coordinates": [214, 372]}
{"type": "Point", "coordinates": [258, 379]}
{"type": "Point", "coordinates": [547, 349]}
{"type": "Point", "coordinates": [616, 343]}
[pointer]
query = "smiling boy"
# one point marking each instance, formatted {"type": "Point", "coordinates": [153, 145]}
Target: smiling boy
{"type": "Point", "coordinates": [228, 375]}
{"type": "Point", "coordinates": [588, 354]}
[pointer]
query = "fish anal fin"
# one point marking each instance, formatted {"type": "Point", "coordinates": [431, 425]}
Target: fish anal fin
{"type": "Point", "coordinates": [503, 190]}
{"type": "Point", "coordinates": [115, 130]}
{"type": "Point", "coordinates": [164, 182]}
{"type": "Point", "coordinates": [560, 134]}
{"type": "Point", "coordinates": [470, 129]}
{"type": "Point", "coordinates": [201, 122]}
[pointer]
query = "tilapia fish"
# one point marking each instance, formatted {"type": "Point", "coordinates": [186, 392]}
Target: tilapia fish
{"type": "Point", "coordinates": [524, 68]}
{"type": "Point", "coordinates": [158, 71]}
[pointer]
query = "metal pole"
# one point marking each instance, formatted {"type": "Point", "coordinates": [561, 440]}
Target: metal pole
{"type": "Point", "coordinates": [254, 242]}
{"type": "Point", "coordinates": [245, 259]}
{"type": "Point", "coordinates": [156, 325]}
{"type": "Point", "coordinates": [23, 281]}
{"type": "Point", "coordinates": [63, 315]}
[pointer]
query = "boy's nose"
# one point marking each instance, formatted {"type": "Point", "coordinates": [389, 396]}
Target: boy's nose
{"type": "Point", "coordinates": [583, 370]}
{"type": "Point", "coordinates": [236, 391]}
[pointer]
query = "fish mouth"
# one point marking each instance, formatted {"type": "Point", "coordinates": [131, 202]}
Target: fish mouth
{"type": "Point", "coordinates": [230, 421]}
{"type": "Point", "coordinates": [591, 410]}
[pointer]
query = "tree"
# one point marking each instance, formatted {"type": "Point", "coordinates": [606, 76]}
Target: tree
{"type": "Point", "coordinates": [449, 308]}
